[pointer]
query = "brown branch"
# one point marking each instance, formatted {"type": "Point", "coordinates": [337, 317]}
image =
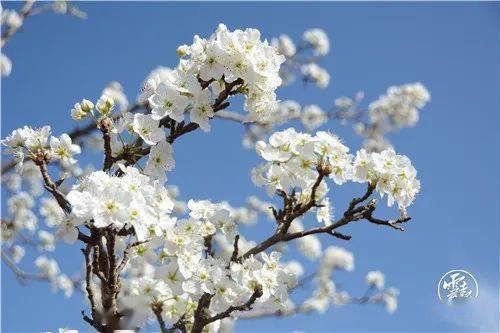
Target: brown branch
{"type": "Point", "coordinates": [41, 161]}
{"type": "Point", "coordinates": [286, 216]}
{"type": "Point", "coordinates": [354, 202]}
{"type": "Point", "coordinates": [110, 290]}
{"type": "Point", "coordinates": [234, 256]}
{"type": "Point", "coordinates": [95, 320]}
{"type": "Point", "coordinates": [126, 255]}
{"type": "Point", "coordinates": [352, 213]}
{"type": "Point", "coordinates": [234, 116]}
{"type": "Point", "coordinates": [244, 307]}
{"type": "Point", "coordinates": [390, 223]}
{"type": "Point", "coordinates": [157, 311]}
{"type": "Point", "coordinates": [279, 313]}
{"type": "Point", "coordinates": [199, 313]}
{"type": "Point", "coordinates": [105, 125]}
{"type": "Point", "coordinates": [262, 313]}
{"type": "Point", "coordinates": [96, 264]}
{"type": "Point", "coordinates": [207, 242]}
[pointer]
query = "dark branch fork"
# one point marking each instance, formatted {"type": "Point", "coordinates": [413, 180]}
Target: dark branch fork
{"type": "Point", "coordinates": [291, 211]}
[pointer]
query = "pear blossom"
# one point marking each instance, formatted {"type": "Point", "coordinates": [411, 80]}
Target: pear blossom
{"type": "Point", "coordinates": [82, 109]}
{"type": "Point", "coordinates": [17, 253]}
{"type": "Point", "coordinates": [175, 253]}
{"type": "Point", "coordinates": [105, 104]}
{"type": "Point", "coordinates": [394, 175]}
{"type": "Point", "coordinates": [313, 117]}
{"type": "Point", "coordinates": [160, 160]}
{"type": "Point", "coordinates": [5, 65]}
{"type": "Point", "coordinates": [285, 45]}
{"type": "Point", "coordinates": [119, 201]}
{"type": "Point", "coordinates": [114, 90]}
{"type": "Point", "coordinates": [316, 74]}
{"type": "Point", "coordinates": [47, 241]}
{"type": "Point", "coordinates": [375, 278]}
{"type": "Point", "coordinates": [202, 110]}
{"type": "Point", "coordinates": [12, 19]}
{"type": "Point", "coordinates": [47, 266]}
{"type": "Point", "coordinates": [339, 258]}
{"type": "Point", "coordinates": [148, 128]}
{"type": "Point", "coordinates": [318, 39]}
{"type": "Point", "coordinates": [62, 148]}
{"type": "Point", "coordinates": [167, 101]}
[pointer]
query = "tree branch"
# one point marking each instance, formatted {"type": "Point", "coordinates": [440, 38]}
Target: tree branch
{"type": "Point", "coordinates": [105, 127]}
{"type": "Point", "coordinates": [41, 161]}
{"type": "Point", "coordinates": [353, 213]}
{"type": "Point", "coordinates": [95, 321]}
{"type": "Point", "coordinates": [244, 307]}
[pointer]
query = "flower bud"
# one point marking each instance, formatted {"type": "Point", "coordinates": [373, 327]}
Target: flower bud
{"type": "Point", "coordinates": [86, 105]}
{"type": "Point", "coordinates": [105, 104]}
{"type": "Point", "coordinates": [82, 109]}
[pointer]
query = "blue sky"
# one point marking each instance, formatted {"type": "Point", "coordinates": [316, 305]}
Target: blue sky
{"type": "Point", "coordinates": [451, 47]}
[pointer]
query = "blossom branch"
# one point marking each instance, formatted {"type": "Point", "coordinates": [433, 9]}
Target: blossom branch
{"type": "Point", "coordinates": [287, 215]}
{"type": "Point", "coordinates": [41, 161]}
{"type": "Point", "coordinates": [218, 105]}
{"type": "Point", "coordinates": [353, 213]}
{"type": "Point", "coordinates": [126, 254]}
{"type": "Point", "coordinates": [78, 132]}
{"type": "Point", "coordinates": [244, 307]}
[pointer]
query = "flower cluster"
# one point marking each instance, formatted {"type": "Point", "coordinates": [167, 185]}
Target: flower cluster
{"type": "Point", "coordinates": [133, 200]}
{"type": "Point", "coordinates": [33, 142]}
{"type": "Point", "coordinates": [393, 175]}
{"type": "Point", "coordinates": [293, 160]}
{"type": "Point", "coordinates": [399, 106]}
{"type": "Point", "coordinates": [318, 39]}
{"type": "Point", "coordinates": [175, 268]}
{"type": "Point", "coordinates": [227, 57]}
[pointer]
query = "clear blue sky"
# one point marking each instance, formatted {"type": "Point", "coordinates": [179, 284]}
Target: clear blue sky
{"type": "Point", "coordinates": [451, 47]}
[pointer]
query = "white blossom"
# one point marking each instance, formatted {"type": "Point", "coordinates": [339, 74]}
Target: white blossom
{"type": "Point", "coordinates": [317, 74]}
{"type": "Point", "coordinates": [132, 199]}
{"type": "Point", "coordinates": [160, 159]}
{"type": "Point", "coordinates": [168, 101]}
{"type": "Point", "coordinates": [63, 148]}
{"type": "Point", "coordinates": [5, 65]}
{"type": "Point", "coordinates": [313, 117]}
{"type": "Point", "coordinates": [148, 128]}
{"type": "Point", "coordinates": [375, 278]}
{"type": "Point", "coordinates": [82, 109]}
{"type": "Point", "coordinates": [318, 39]}
{"type": "Point", "coordinates": [12, 19]}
